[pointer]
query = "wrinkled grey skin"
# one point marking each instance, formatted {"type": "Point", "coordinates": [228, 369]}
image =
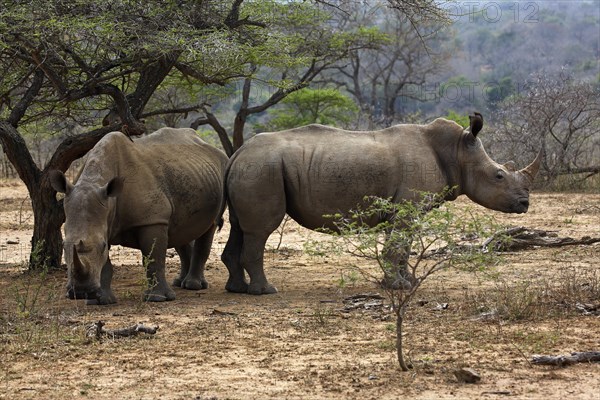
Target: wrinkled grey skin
{"type": "Point", "coordinates": [316, 170]}
{"type": "Point", "coordinates": [162, 190]}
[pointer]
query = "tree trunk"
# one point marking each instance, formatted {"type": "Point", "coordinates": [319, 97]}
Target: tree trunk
{"type": "Point", "coordinates": [151, 76]}
{"type": "Point", "coordinates": [238, 129]}
{"type": "Point", "coordinates": [48, 214]}
{"type": "Point", "coordinates": [399, 348]}
{"type": "Point", "coordinates": [241, 116]}
{"type": "Point", "coordinates": [46, 242]}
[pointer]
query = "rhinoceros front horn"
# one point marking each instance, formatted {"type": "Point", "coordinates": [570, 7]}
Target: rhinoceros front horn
{"type": "Point", "coordinates": [532, 169]}
{"type": "Point", "coordinates": [77, 264]}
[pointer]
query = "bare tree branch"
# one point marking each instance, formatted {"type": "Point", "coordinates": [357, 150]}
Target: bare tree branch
{"type": "Point", "coordinates": [77, 146]}
{"type": "Point", "coordinates": [20, 109]}
{"type": "Point", "coordinates": [233, 20]}
{"type": "Point", "coordinates": [212, 120]}
{"type": "Point", "coordinates": [180, 110]}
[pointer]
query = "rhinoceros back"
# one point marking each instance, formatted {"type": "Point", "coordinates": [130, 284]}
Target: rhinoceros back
{"type": "Point", "coordinates": [317, 170]}
{"type": "Point", "coordinates": [171, 177]}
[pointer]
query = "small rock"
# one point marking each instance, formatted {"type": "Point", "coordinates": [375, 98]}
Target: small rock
{"type": "Point", "coordinates": [441, 307]}
{"type": "Point", "coordinates": [467, 375]}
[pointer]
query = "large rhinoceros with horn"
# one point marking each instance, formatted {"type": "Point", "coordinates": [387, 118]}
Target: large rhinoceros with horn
{"type": "Point", "coordinates": [162, 190]}
{"type": "Point", "coordinates": [316, 170]}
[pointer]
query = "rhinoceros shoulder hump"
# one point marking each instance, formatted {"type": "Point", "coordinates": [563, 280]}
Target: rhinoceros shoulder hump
{"type": "Point", "coordinates": [109, 144]}
{"type": "Point", "coordinates": [445, 124]}
{"type": "Point", "coordinates": [170, 135]}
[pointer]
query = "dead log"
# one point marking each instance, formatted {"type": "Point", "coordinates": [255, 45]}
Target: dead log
{"type": "Point", "coordinates": [97, 330]}
{"type": "Point", "coordinates": [588, 308]}
{"type": "Point", "coordinates": [563, 361]}
{"type": "Point", "coordinates": [519, 238]}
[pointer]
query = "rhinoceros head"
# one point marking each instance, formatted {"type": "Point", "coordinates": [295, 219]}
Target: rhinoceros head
{"type": "Point", "coordinates": [495, 186]}
{"type": "Point", "coordinates": [87, 210]}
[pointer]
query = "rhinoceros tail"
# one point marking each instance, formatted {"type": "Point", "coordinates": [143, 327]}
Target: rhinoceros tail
{"type": "Point", "coordinates": [220, 223]}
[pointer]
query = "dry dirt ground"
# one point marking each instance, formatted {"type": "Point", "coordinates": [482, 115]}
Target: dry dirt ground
{"type": "Point", "coordinates": [297, 344]}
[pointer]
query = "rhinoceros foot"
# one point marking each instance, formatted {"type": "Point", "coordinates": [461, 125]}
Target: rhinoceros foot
{"type": "Point", "coordinates": [93, 296]}
{"type": "Point", "coordinates": [159, 294]}
{"type": "Point", "coordinates": [236, 286]}
{"type": "Point", "coordinates": [102, 299]}
{"type": "Point", "coordinates": [194, 284]}
{"type": "Point", "coordinates": [177, 282]}
{"type": "Point", "coordinates": [257, 288]}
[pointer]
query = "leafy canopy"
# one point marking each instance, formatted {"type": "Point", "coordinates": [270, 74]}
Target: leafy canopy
{"type": "Point", "coordinates": [313, 106]}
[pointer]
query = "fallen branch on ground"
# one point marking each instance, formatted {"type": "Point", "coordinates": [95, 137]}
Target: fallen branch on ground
{"type": "Point", "coordinates": [588, 308]}
{"type": "Point", "coordinates": [519, 238]}
{"type": "Point", "coordinates": [563, 361]}
{"type": "Point", "coordinates": [97, 330]}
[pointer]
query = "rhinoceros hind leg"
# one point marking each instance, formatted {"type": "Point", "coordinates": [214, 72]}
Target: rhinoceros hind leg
{"type": "Point", "coordinates": [236, 282]}
{"type": "Point", "coordinates": [185, 258]}
{"type": "Point", "coordinates": [153, 244]}
{"type": "Point", "coordinates": [195, 279]}
{"type": "Point", "coordinates": [252, 259]}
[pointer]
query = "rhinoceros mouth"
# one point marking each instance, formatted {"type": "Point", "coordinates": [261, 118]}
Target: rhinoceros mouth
{"type": "Point", "coordinates": [521, 206]}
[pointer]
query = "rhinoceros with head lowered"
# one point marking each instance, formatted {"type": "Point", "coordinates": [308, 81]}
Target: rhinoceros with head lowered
{"type": "Point", "coordinates": [314, 171]}
{"type": "Point", "coordinates": [162, 190]}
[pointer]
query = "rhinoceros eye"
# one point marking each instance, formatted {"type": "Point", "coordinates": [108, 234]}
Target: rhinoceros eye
{"type": "Point", "coordinates": [500, 175]}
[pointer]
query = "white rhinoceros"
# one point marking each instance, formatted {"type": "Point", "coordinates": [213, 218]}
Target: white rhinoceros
{"type": "Point", "coordinates": [316, 170]}
{"type": "Point", "coordinates": [162, 190]}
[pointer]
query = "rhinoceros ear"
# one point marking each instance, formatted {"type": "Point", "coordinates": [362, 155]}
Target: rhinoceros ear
{"type": "Point", "coordinates": [114, 187]}
{"type": "Point", "coordinates": [476, 123]}
{"type": "Point", "coordinates": [59, 182]}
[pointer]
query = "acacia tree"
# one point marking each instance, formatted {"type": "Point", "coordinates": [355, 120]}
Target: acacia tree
{"type": "Point", "coordinates": [312, 106]}
{"type": "Point", "coordinates": [66, 64]}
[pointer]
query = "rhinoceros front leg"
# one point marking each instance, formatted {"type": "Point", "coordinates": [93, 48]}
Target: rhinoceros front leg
{"type": "Point", "coordinates": [105, 295]}
{"type": "Point", "coordinates": [153, 244]}
{"type": "Point", "coordinates": [194, 279]}
{"type": "Point", "coordinates": [185, 258]}
{"type": "Point", "coordinates": [395, 255]}
{"type": "Point", "coordinates": [251, 260]}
